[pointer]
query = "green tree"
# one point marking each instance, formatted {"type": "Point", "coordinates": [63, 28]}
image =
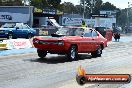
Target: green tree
{"type": "Point", "coordinates": [122, 19]}
{"type": "Point", "coordinates": [91, 7]}
{"type": "Point", "coordinates": [86, 7]}
{"type": "Point", "coordinates": [39, 3]}
{"type": "Point", "coordinates": [46, 3]}
{"type": "Point", "coordinates": [125, 19]}
{"type": "Point", "coordinates": [130, 16]}
{"type": "Point", "coordinates": [78, 9]}
{"type": "Point", "coordinates": [107, 6]}
{"type": "Point", "coordinates": [54, 3]}
{"type": "Point", "coordinates": [69, 7]}
{"type": "Point", "coordinates": [97, 6]}
{"type": "Point", "coordinates": [0, 2]}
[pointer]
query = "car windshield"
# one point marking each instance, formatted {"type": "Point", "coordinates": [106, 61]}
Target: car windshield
{"type": "Point", "coordinates": [8, 25]}
{"type": "Point", "coordinates": [70, 31]}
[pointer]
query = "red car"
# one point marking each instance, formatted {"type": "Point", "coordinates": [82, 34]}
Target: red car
{"type": "Point", "coordinates": [71, 41]}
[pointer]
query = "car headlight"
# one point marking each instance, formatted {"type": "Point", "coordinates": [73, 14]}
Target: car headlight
{"type": "Point", "coordinates": [61, 43]}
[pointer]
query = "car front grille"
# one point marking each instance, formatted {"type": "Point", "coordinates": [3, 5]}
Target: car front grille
{"type": "Point", "coordinates": [47, 42]}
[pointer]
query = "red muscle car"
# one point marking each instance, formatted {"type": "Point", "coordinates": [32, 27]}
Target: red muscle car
{"type": "Point", "coordinates": [71, 41]}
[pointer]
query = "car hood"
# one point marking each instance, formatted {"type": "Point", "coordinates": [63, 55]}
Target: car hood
{"type": "Point", "coordinates": [50, 38]}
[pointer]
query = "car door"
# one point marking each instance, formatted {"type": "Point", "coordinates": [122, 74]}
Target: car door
{"type": "Point", "coordinates": [87, 41]}
{"type": "Point", "coordinates": [19, 30]}
{"type": "Point", "coordinates": [26, 29]}
{"type": "Point", "coordinates": [79, 41]}
{"type": "Point", "coordinates": [95, 40]}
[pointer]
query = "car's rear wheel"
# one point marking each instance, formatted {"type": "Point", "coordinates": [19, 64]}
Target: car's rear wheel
{"type": "Point", "coordinates": [41, 53]}
{"type": "Point", "coordinates": [72, 54]}
{"type": "Point", "coordinates": [10, 36]}
{"type": "Point", "coordinates": [98, 52]}
{"type": "Point", "coordinates": [29, 36]}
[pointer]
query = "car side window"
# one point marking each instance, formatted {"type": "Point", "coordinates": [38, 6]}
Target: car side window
{"type": "Point", "coordinates": [25, 27]}
{"type": "Point", "coordinates": [94, 33]}
{"type": "Point", "coordinates": [79, 32]}
{"type": "Point", "coordinates": [88, 34]}
{"type": "Point", "coordinates": [19, 26]}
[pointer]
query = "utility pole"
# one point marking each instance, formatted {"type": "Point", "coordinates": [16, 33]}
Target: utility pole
{"type": "Point", "coordinates": [128, 17]}
{"type": "Point", "coordinates": [27, 4]}
{"type": "Point", "coordinates": [92, 6]}
{"type": "Point", "coordinates": [30, 17]}
{"type": "Point", "coordinates": [83, 9]}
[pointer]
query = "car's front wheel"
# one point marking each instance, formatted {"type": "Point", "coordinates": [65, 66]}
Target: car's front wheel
{"type": "Point", "coordinates": [98, 52]}
{"type": "Point", "coordinates": [72, 54]}
{"type": "Point", "coordinates": [41, 53]}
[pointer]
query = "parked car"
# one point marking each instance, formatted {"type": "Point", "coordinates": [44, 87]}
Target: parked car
{"type": "Point", "coordinates": [105, 32]}
{"type": "Point", "coordinates": [16, 30]}
{"type": "Point", "coordinates": [71, 41]}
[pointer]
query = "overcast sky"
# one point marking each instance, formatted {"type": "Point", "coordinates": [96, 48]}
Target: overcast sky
{"type": "Point", "coordinates": [118, 3]}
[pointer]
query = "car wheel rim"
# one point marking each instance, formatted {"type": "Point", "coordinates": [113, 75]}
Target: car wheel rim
{"type": "Point", "coordinates": [29, 36]}
{"type": "Point", "coordinates": [82, 80]}
{"type": "Point", "coordinates": [73, 53]}
{"type": "Point", "coordinates": [99, 50]}
{"type": "Point", "coordinates": [10, 36]}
